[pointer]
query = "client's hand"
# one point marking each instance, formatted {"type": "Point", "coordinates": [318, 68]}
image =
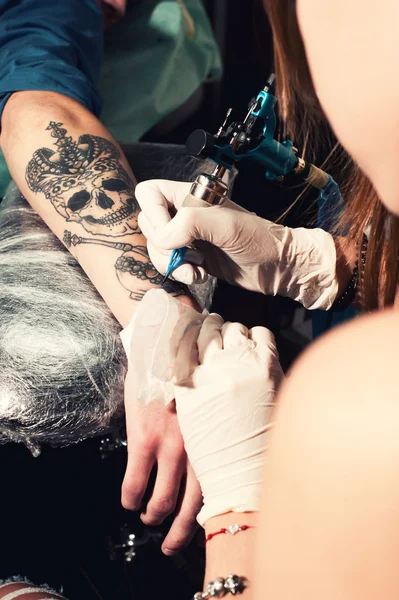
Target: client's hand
{"type": "Point", "coordinates": [154, 440]}
{"type": "Point", "coordinates": [225, 411]}
{"type": "Point", "coordinates": [238, 246]}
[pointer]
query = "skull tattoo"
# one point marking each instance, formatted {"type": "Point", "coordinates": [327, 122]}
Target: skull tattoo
{"type": "Point", "coordinates": [86, 183]}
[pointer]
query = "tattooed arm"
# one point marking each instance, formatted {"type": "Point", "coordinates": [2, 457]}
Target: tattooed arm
{"type": "Point", "coordinates": [75, 176]}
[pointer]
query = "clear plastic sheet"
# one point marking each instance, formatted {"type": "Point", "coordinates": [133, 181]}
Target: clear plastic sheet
{"type": "Point", "coordinates": [62, 363]}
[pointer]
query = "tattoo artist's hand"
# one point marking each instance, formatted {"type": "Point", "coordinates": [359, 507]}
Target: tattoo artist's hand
{"type": "Point", "coordinates": [237, 246]}
{"type": "Point", "coordinates": [154, 440]}
{"type": "Point", "coordinates": [225, 410]}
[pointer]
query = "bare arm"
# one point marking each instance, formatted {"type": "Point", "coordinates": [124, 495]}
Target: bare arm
{"type": "Point", "coordinates": [228, 554]}
{"type": "Point", "coordinates": [32, 592]}
{"type": "Point", "coordinates": [77, 179]}
{"type": "Point", "coordinates": [329, 524]}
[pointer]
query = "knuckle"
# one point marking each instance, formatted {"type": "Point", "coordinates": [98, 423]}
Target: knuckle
{"type": "Point", "coordinates": [160, 507]}
{"type": "Point", "coordinates": [173, 450]}
{"type": "Point", "coordinates": [186, 216]}
{"type": "Point", "coordinates": [143, 443]}
{"type": "Point", "coordinates": [182, 534]}
{"type": "Point", "coordinates": [188, 519]}
{"type": "Point", "coordinates": [140, 191]}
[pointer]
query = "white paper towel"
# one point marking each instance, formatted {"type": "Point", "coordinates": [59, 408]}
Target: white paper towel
{"type": "Point", "coordinates": [151, 341]}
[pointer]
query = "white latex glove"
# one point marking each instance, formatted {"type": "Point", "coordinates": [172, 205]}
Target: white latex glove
{"type": "Point", "coordinates": [225, 411]}
{"type": "Point", "coordinates": [238, 246]}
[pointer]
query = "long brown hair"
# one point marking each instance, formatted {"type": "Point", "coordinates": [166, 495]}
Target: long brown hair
{"type": "Point", "coordinates": [304, 120]}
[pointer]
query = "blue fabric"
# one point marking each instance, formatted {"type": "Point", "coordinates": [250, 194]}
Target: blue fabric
{"type": "Point", "coordinates": [330, 205]}
{"type": "Point", "coordinates": [52, 46]}
{"type": "Point", "coordinates": [153, 61]}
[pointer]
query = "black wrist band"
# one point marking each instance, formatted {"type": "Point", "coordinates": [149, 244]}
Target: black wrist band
{"type": "Point", "coordinates": [349, 294]}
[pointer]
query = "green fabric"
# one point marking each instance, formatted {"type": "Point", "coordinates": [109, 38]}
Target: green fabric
{"type": "Point", "coordinates": [151, 67]}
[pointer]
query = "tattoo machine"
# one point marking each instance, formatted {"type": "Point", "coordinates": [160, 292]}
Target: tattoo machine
{"type": "Point", "coordinates": [253, 139]}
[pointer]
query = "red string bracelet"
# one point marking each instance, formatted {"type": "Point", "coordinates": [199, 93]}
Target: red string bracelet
{"type": "Point", "coordinates": [232, 529]}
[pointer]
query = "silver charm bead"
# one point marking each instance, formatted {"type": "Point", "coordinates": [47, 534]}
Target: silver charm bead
{"type": "Point", "coordinates": [216, 589]}
{"type": "Point", "coordinates": [199, 596]}
{"type": "Point", "coordinates": [234, 585]}
{"type": "Point", "coordinates": [233, 529]}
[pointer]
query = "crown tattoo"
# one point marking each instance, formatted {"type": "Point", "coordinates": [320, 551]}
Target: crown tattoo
{"type": "Point", "coordinates": [71, 158]}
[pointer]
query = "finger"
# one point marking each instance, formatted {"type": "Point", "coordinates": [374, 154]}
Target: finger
{"type": "Point", "coordinates": [166, 489]}
{"type": "Point", "coordinates": [156, 195]}
{"type": "Point", "coordinates": [201, 276]}
{"type": "Point", "coordinates": [138, 471]}
{"type": "Point", "coordinates": [192, 224]}
{"type": "Point", "coordinates": [264, 342]}
{"type": "Point", "coordinates": [147, 229]}
{"type": "Point", "coordinates": [176, 233]}
{"type": "Point", "coordinates": [234, 335]}
{"type": "Point", "coordinates": [210, 338]}
{"type": "Point", "coordinates": [185, 524]}
{"type": "Point", "coordinates": [189, 274]}
{"type": "Point", "coordinates": [153, 204]}
{"type": "Point", "coordinates": [186, 273]}
{"type": "Point", "coordinates": [161, 258]}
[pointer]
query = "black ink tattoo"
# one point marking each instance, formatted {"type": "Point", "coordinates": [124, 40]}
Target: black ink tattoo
{"type": "Point", "coordinates": [132, 266]}
{"type": "Point", "coordinates": [87, 184]}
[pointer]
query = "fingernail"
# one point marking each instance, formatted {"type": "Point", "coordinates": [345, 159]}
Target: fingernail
{"type": "Point", "coordinates": [187, 278]}
{"type": "Point", "coordinates": [169, 552]}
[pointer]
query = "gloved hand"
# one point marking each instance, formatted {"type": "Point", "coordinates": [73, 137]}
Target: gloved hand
{"type": "Point", "coordinates": [238, 246]}
{"type": "Point", "coordinates": [225, 410]}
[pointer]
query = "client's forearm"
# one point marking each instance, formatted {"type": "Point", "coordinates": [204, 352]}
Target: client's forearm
{"type": "Point", "coordinates": [77, 179]}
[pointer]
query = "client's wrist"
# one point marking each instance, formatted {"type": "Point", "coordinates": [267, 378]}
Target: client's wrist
{"type": "Point", "coordinates": [189, 300]}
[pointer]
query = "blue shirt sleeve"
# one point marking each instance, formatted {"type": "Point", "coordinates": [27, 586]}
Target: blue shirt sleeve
{"type": "Point", "coordinates": [51, 45]}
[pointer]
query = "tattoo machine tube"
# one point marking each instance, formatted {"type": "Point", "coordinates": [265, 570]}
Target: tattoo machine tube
{"type": "Point", "coordinates": [207, 190]}
{"type": "Point", "coordinates": [152, 340]}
